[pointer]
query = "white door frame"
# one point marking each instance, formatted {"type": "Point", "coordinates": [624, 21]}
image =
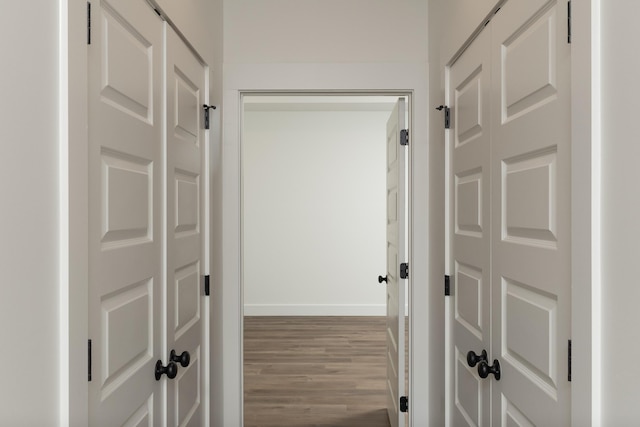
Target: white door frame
{"type": "Point", "coordinates": [407, 113]}
{"type": "Point", "coordinates": [585, 211]}
{"type": "Point", "coordinates": [352, 79]}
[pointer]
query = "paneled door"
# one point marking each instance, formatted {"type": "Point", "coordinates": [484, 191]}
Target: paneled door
{"type": "Point", "coordinates": [531, 225]}
{"type": "Point", "coordinates": [469, 99]}
{"type": "Point", "coordinates": [147, 221]}
{"type": "Point", "coordinates": [511, 234]}
{"type": "Point", "coordinates": [125, 213]}
{"type": "Point", "coordinates": [186, 214]}
{"type": "Point", "coordinates": [396, 163]}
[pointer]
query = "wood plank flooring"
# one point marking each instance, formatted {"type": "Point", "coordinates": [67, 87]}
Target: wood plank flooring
{"type": "Point", "coordinates": [315, 371]}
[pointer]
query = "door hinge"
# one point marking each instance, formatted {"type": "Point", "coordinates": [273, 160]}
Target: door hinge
{"type": "Point", "coordinates": [569, 22]}
{"type": "Point", "coordinates": [447, 285]}
{"type": "Point", "coordinates": [206, 114]}
{"type": "Point", "coordinates": [89, 360]}
{"type": "Point", "coordinates": [447, 115]}
{"type": "Point", "coordinates": [569, 361]}
{"type": "Point", "coordinates": [404, 270]}
{"type": "Point", "coordinates": [88, 22]}
{"type": "Point", "coordinates": [404, 404]}
{"type": "Point", "coordinates": [207, 289]}
{"type": "Point", "coordinates": [404, 137]}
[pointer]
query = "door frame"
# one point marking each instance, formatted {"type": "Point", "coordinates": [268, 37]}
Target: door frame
{"type": "Point", "coordinates": [585, 212]}
{"type": "Point", "coordinates": [408, 111]}
{"type": "Point", "coordinates": [318, 79]}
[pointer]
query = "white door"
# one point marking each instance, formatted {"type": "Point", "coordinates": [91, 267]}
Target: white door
{"type": "Point", "coordinates": [531, 228]}
{"type": "Point", "coordinates": [186, 214]}
{"type": "Point", "coordinates": [526, 272]}
{"type": "Point", "coordinates": [469, 98]}
{"type": "Point", "coordinates": [395, 256]}
{"type": "Point", "coordinates": [125, 213]}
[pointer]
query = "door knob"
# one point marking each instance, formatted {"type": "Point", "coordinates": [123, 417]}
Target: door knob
{"type": "Point", "coordinates": [183, 359]}
{"type": "Point", "coordinates": [382, 279]}
{"type": "Point", "coordinates": [171, 370]}
{"type": "Point", "coordinates": [484, 369]}
{"type": "Point", "coordinates": [473, 359]}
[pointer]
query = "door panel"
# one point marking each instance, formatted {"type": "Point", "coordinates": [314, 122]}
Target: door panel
{"type": "Point", "coordinates": [185, 237]}
{"type": "Point", "coordinates": [470, 80]}
{"type": "Point", "coordinates": [125, 213]}
{"type": "Point", "coordinates": [531, 222]}
{"type": "Point", "coordinates": [523, 168]}
{"type": "Point", "coordinates": [395, 255]}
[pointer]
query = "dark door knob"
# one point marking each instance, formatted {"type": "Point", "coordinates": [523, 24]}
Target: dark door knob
{"type": "Point", "coordinates": [183, 359]}
{"type": "Point", "coordinates": [484, 369]}
{"type": "Point", "coordinates": [171, 370]}
{"type": "Point", "coordinates": [473, 359]}
{"type": "Point", "coordinates": [382, 279]}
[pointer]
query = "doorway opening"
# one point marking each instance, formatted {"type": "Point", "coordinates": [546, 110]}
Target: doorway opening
{"type": "Point", "coordinates": [314, 215]}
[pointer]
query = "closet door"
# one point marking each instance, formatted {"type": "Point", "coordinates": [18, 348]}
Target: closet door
{"type": "Point", "coordinates": [186, 214]}
{"type": "Point", "coordinates": [531, 243]}
{"type": "Point", "coordinates": [470, 180]}
{"type": "Point", "coordinates": [125, 213]}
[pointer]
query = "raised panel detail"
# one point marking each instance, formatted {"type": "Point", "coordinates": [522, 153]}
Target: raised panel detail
{"type": "Point", "coordinates": [187, 298]}
{"type": "Point", "coordinates": [468, 398]}
{"type": "Point", "coordinates": [468, 298]}
{"type": "Point", "coordinates": [529, 198]}
{"type": "Point", "coordinates": [392, 150]}
{"type": "Point", "coordinates": [143, 416]}
{"type": "Point", "coordinates": [187, 202]}
{"type": "Point", "coordinates": [392, 262]}
{"type": "Point", "coordinates": [127, 198]}
{"type": "Point", "coordinates": [512, 416]}
{"type": "Point", "coordinates": [392, 205]}
{"type": "Point", "coordinates": [187, 108]}
{"type": "Point", "coordinates": [188, 390]}
{"type": "Point", "coordinates": [468, 108]}
{"type": "Point", "coordinates": [530, 320]}
{"type": "Point", "coordinates": [127, 331]}
{"type": "Point", "coordinates": [468, 209]}
{"type": "Point", "coordinates": [529, 66]}
{"type": "Point", "coordinates": [127, 75]}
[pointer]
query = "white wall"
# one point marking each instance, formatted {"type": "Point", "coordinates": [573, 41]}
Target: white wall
{"type": "Point", "coordinates": [285, 31]}
{"type": "Point", "coordinates": [437, 203]}
{"type": "Point", "coordinates": [314, 212]}
{"type": "Point", "coordinates": [29, 214]}
{"type": "Point", "coordinates": [200, 21]}
{"type": "Point", "coordinates": [620, 210]}
{"type": "Point", "coordinates": [457, 19]}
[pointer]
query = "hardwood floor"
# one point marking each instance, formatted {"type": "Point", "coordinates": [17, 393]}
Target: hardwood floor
{"type": "Point", "coordinates": [315, 371]}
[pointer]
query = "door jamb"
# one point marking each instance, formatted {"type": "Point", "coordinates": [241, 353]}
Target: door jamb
{"type": "Point", "coordinates": [409, 96]}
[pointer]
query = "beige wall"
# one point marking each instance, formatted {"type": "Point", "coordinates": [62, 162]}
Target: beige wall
{"type": "Point", "coordinates": [620, 210]}
{"type": "Point", "coordinates": [29, 214]}
{"type": "Point", "coordinates": [321, 31]}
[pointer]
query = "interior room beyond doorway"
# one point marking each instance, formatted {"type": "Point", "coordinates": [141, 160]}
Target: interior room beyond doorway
{"type": "Point", "coordinates": [314, 228]}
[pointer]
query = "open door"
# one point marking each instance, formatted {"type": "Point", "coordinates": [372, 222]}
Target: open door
{"type": "Point", "coordinates": [395, 256]}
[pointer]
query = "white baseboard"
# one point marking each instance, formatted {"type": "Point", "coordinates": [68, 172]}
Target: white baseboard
{"type": "Point", "coordinates": [315, 310]}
